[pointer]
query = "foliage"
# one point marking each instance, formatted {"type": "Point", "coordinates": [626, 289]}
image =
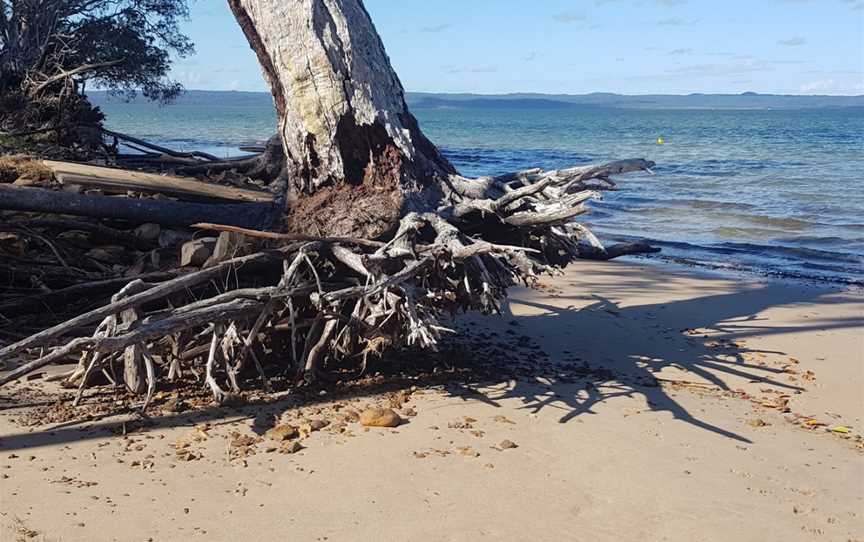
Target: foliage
{"type": "Point", "coordinates": [121, 45]}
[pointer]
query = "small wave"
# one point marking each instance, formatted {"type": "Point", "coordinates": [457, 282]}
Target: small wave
{"type": "Point", "coordinates": [773, 221]}
{"type": "Point", "coordinates": [725, 168]}
{"type": "Point", "coordinates": [731, 232]}
{"type": "Point", "coordinates": [752, 164]}
{"type": "Point", "coordinates": [795, 253]}
{"type": "Point", "coordinates": [702, 204]}
{"type": "Point", "coordinates": [545, 158]}
{"type": "Point", "coordinates": [775, 260]}
{"type": "Point", "coordinates": [854, 227]}
{"type": "Point", "coordinates": [822, 241]}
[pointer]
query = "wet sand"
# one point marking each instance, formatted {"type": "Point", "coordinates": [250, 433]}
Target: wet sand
{"type": "Point", "coordinates": [668, 404]}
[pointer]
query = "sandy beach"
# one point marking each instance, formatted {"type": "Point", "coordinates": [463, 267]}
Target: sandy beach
{"type": "Point", "coordinates": [651, 403]}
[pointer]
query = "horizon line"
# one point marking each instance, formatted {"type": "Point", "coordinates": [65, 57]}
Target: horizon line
{"type": "Point", "coordinates": [512, 93]}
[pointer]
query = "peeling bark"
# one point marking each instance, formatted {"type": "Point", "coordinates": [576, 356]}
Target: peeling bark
{"type": "Point", "coordinates": [350, 142]}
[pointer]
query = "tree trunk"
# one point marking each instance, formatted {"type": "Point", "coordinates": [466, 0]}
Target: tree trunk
{"type": "Point", "coordinates": [383, 236]}
{"type": "Point", "coordinates": [356, 158]}
{"type": "Point", "coordinates": [356, 161]}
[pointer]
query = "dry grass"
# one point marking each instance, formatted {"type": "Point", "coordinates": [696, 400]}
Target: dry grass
{"type": "Point", "coordinates": [25, 168]}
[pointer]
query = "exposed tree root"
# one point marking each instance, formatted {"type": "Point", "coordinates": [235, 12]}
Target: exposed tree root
{"type": "Point", "coordinates": [306, 303]}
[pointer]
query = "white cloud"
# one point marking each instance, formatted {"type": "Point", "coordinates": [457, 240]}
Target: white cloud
{"type": "Point", "coordinates": [676, 21]}
{"type": "Point", "coordinates": [749, 65]}
{"type": "Point", "coordinates": [831, 86]}
{"type": "Point", "coordinates": [568, 17]}
{"type": "Point", "coordinates": [191, 79]}
{"type": "Point", "coordinates": [793, 41]}
{"type": "Point", "coordinates": [668, 3]}
{"type": "Point", "coordinates": [471, 69]}
{"type": "Point", "coordinates": [436, 28]}
{"type": "Point", "coordinates": [854, 4]}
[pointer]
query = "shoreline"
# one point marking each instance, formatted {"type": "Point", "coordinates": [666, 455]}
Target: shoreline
{"type": "Point", "coordinates": [645, 402]}
{"type": "Point", "coordinates": [750, 257]}
{"type": "Point", "coordinates": [740, 271]}
{"type": "Point", "coordinates": [851, 277]}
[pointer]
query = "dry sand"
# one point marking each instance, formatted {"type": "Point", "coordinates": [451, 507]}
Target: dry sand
{"type": "Point", "coordinates": [659, 416]}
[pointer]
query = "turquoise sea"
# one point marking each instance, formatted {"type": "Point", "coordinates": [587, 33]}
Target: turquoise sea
{"type": "Point", "coordinates": [773, 191]}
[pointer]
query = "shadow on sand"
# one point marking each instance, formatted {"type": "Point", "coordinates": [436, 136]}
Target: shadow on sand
{"type": "Point", "coordinates": [553, 358]}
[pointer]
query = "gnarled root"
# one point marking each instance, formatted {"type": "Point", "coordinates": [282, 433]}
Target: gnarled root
{"type": "Point", "coordinates": [331, 300]}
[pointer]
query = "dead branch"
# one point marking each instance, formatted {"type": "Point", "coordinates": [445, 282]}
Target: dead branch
{"type": "Point", "coordinates": [139, 211]}
{"type": "Point", "coordinates": [160, 149]}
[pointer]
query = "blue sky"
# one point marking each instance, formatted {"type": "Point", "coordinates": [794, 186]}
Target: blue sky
{"type": "Point", "coordinates": [580, 46]}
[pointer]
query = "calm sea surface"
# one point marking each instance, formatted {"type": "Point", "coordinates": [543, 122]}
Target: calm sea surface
{"type": "Point", "coordinates": [779, 192]}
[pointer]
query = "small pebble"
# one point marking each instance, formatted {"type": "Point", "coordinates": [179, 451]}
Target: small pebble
{"type": "Point", "coordinates": [507, 445]}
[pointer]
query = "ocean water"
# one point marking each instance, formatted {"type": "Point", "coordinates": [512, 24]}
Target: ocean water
{"type": "Point", "coordinates": [773, 191]}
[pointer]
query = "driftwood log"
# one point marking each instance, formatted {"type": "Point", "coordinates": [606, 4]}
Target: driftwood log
{"type": "Point", "coordinates": [379, 238]}
{"type": "Point", "coordinates": [111, 180]}
{"type": "Point", "coordinates": [138, 211]}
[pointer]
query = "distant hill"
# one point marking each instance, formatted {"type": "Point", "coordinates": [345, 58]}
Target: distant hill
{"type": "Point", "coordinates": [426, 100]}
{"type": "Point", "coordinates": [747, 100]}
{"type": "Point", "coordinates": [206, 98]}
{"type": "Point", "coordinates": [442, 101]}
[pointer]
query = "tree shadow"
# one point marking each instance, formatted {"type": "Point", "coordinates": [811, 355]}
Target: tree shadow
{"type": "Point", "coordinates": [620, 352]}
{"type": "Point", "coordinates": [546, 354]}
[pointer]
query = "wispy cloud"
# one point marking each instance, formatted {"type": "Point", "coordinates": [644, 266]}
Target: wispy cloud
{"type": "Point", "coordinates": [530, 57]}
{"type": "Point", "coordinates": [677, 21]}
{"type": "Point", "coordinates": [569, 17]}
{"type": "Point", "coordinates": [669, 3]}
{"type": "Point", "coordinates": [831, 86]}
{"type": "Point", "coordinates": [471, 69]}
{"type": "Point", "coordinates": [853, 4]}
{"type": "Point", "coordinates": [821, 85]}
{"type": "Point", "coordinates": [436, 28]}
{"type": "Point", "coordinates": [724, 68]}
{"type": "Point", "coordinates": [793, 42]}
{"type": "Point", "coordinates": [683, 51]}
{"type": "Point", "coordinates": [737, 70]}
{"type": "Point", "coordinates": [834, 72]}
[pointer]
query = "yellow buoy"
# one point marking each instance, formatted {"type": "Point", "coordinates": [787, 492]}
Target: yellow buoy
{"type": "Point", "coordinates": [660, 141]}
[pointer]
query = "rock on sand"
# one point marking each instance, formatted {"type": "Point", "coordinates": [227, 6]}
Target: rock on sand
{"type": "Point", "coordinates": [379, 417]}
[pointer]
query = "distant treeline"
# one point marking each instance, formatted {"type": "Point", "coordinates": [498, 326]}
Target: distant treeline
{"type": "Point", "coordinates": [417, 100]}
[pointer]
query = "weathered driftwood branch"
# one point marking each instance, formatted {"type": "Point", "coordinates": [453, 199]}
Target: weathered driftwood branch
{"type": "Point", "coordinates": [287, 236]}
{"type": "Point", "coordinates": [67, 74]}
{"type": "Point", "coordinates": [159, 148]}
{"type": "Point", "coordinates": [618, 250]}
{"type": "Point", "coordinates": [139, 211]}
{"type": "Point", "coordinates": [88, 290]}
{"type": "Point", "coordinates": [267, 165]}
{"type": "Point", "coordinates": [121, 181]}
{"type": "Point", "coordinates": [99, 230]}
{"type": "Point", "coordinates": [157, 291]}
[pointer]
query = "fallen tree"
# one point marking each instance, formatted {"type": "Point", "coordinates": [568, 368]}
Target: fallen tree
{"type": "Point", "coordinates": [375, 236]}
